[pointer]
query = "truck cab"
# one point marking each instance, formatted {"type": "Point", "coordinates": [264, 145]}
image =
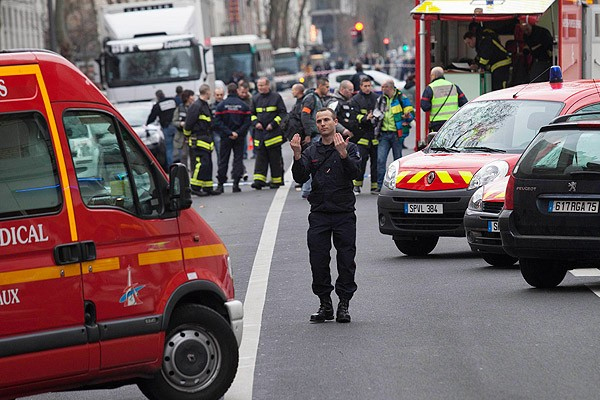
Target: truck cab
{"type": "Point", "coordinates": [107, 276]}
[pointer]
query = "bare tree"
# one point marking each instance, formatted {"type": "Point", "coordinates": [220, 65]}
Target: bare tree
{"type": "Point", "coordinates": [296, 38]}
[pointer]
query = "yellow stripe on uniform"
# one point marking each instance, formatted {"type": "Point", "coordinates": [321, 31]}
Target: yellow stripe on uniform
{"type": "Point", "coordinates": [274, 141]}
{"type": "Point", "coordinates": [156, 257]}
{"type": "Point", "coordinates": [39, 274]}
{"type": "Point", "coordinates": [466, 175]}
{"type": "Point", "coordinates": [210, 250]}
{"type": "Point", "coordinates": [417, 176]}
{"type": "Point", "coordinates": [444, 176]}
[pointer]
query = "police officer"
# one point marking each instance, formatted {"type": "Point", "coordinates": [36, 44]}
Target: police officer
{"type": "Point", "coordinates": [268, 110]}
{"type": "Point", "coordinates": [333, 164]}
{"type": "Point", "coordinates": [364, 103]}
{"type": "Point", "coordinates": [340, 104]}
{"type": "Point", "coordinates": [492, 56]}
{"type": "Point", "coordinates": [232, 120]}
{"type": "Point", "coordinates": [198, 130]}
{"type": "Point", "coordinates": [441, 98]}
{"type": "Point", "coordinates": [181, 152]}
{"type": "Point", "coordinates": [163, 109]}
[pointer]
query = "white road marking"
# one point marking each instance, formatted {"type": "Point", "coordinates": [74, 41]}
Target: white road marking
{"type": "Point", "coordinates": [242, 386]}
{"type": "Point", "coordinates": [585, 272]}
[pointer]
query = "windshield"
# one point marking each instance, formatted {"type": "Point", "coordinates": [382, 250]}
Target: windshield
{"type": "Point", "coordinates": [561, 153]}
{"type": "Point", "coordinates": [495, 126]}
{"type": "Point", "coordinates": [147, 67]}
{"type": "Point", "coordinates": [234, 60]}
{"type": "Point", "coordinates": [286, 64]}
{"type": "Point", "coordinates": [136, 116]}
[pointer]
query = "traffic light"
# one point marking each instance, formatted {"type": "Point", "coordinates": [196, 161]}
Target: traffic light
{"type": "Point", "coordinates": [358, 27]}
{"type": "Point", "coordinates": [386, 43]}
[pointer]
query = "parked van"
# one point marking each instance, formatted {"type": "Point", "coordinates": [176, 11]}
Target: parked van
{"type": "Point", "coordinates": [107, 276]}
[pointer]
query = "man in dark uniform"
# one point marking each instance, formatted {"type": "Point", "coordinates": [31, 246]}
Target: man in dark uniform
{"type": "Point", "coordinates": [164, 110]}
{"type": "Point", "coordinates": [540, 42]}
{"type": "Point", "coordinates": [333, 163]}
{"type": "Point", "coordinates": [198, 130]}
{"type": "Point", "coordinates": [364, 103]}
{"type": "Point", "coordinates": [232, 120]}
{"type": "Point", "coordinates": [268, 110]}
{"type": "Point", "coordinates": [492, 56]}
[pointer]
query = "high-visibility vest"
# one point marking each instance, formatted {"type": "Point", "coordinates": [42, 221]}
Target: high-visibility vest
{"type": "Point", "coordinates": [444, 101]}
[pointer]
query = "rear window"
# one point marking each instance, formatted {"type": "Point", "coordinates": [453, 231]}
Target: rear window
{"type": "Point", "coordinates": [500, 125]}
{"type": "Point", "coordinates": [562, 153]}
{"type": "Point", "coordinates": [29, 183]}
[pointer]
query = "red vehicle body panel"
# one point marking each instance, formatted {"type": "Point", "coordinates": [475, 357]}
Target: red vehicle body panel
{"type": "Point", "coordinates": [39, 297]}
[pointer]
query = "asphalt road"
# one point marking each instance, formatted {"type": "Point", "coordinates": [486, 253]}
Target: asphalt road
{"type": "Point", "coordinates": [445, 326]}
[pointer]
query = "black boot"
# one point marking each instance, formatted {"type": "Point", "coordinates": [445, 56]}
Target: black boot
{"type": "Point", "coordinates": [236, 186]}
{"type": "Point", "coordinates": [219, 189]}
{"type": "Point", "coordinates": [342, 311]}
{"type": "Point", "coordinates": [325, 312]}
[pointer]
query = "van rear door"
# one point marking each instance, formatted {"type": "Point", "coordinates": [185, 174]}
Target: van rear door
{"type": "Point", "coordinates": [42, 333]}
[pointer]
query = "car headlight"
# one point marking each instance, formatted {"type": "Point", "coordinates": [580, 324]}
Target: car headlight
{"type": "Point", "coordinates": [389, 181]}
{"type": "Point", "coordinates": [489, 173]}
{"type": "Point", "coordinates": [476, 202]}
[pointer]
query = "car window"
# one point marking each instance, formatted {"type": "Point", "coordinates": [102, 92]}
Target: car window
{"type": "Point", "coordinates": [561, 152]}
{"type": "Point", "coordinates": [29, 183]}
{"type": "Point", "coordinates": [503, 125]}
{"type": "Point", "coordinates": [110, 172]}
{"type": "Point", "coordinates": [591, 108]}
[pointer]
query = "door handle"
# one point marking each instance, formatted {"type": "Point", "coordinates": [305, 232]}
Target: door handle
{"type": "Point", "coordinates": [72, 253]}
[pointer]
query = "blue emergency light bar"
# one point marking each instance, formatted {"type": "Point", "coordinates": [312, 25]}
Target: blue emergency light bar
{"type": "Point", "coordinates": [555, 74]}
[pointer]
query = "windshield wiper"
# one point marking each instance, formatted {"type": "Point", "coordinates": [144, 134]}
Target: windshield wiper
{"type": "Point", "coordinates": [486, 149]}
{"type": "Point", "coordinates": [446, 149]}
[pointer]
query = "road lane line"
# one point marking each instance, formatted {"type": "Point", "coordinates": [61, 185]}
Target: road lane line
{"type": "Point", "coordinates": [585, 272]}
{"type": "Point", "coordinates": [254, 303]}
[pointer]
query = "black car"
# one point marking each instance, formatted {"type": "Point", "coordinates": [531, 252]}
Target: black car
{"type": "Point", "coordinates": [551, 215]}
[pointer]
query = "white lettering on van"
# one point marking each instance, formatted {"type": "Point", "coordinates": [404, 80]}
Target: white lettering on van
{"type": "Point", "coordinates": [3, 88]}
{"type": "Point", "coordinates": [8, 297]}
{"type": "Point", "coordinates": [22, 235]}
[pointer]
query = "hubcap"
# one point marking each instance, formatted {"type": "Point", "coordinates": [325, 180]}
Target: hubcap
{"type": "Point", "coordinates": [192, 360]}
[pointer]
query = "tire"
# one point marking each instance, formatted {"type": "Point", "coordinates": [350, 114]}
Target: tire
{"type": "Point", "coordinates": [417, 246]}
{"type": "Point", "coordinates": [541, 273]}
{"type": "Point", "coordinates": [499, 260]}
{"type": "Point", "coordinates": [200, 358]}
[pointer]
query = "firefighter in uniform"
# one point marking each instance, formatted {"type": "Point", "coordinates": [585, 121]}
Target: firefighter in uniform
{"type": "Point", "coordinates": [364, 103]}
{"type": "Point", "coordinates": [198, 130]}
{"type": "Point", "coordinates": [333, 164]}
{"type": "Point", "coordinates": [492, 56]}
{"type": "Point", "coordinates": [268, 110]}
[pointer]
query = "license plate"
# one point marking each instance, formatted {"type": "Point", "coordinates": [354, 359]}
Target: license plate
{"type": "Point", "coordinates": [421, 208]}
{"type": "Point", "coordinates": [573, 206]}
{"type": "Point", "coordinates": [493, 226]}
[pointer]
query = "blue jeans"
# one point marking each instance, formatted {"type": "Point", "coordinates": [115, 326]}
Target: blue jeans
{"type": "Point", "coordinates": [169, 133]}
{"type": "Point", "coordinates": [387, 140]}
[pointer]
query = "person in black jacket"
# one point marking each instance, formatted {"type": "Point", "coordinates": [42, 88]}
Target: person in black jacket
{"type": "Point", "coordinates": [364, 103]}
{"type": "Point", "coordinates": [163, 109]}
{"type": "Point", "coordinates": [198, 130]}
{"type": "Point", "coordinates": [268, 110]}
{"type": "Point", "coordinates": [333, 163]}
{"type": "Point", "coordinates": [232, 120]}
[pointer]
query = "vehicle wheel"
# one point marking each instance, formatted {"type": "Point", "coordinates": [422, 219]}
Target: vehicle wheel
{"type": "Point", "coordinates": [417, 246]}
{"type": "Point", "coordinates": [541, 273]}
{"type": "Point", "coordinates": [200, 358]}
{"type": "Point", "coordinates": [499, 260]}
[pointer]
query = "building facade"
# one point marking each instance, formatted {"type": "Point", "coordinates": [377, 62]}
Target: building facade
{"type": "Point", "coordinates": [23, 24]}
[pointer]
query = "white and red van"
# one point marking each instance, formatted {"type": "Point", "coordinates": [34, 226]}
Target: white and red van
{"type": "Point", "coordinates": [107, 276]}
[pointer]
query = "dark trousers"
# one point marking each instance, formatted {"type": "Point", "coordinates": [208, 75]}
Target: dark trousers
{"type": "Point", "coordinates": [367, 152]}
{"type": "Point", "coordinates": [500, 77]}
{"type": "Point", "coordinates": [227, 146]}
{"type": "Point", "coordinates": [201, 168]}
{"type": "Point", "coordinates": [342, 227]}
{"type": "Point", "coordinates": [268, 157]}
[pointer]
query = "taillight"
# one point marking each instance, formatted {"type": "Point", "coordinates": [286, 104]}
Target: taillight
{"type": "Point", "coordinates": [509, 194]}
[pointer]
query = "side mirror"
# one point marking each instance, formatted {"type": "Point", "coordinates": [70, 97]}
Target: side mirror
{"type": "Point", "coordinates": [180, 192]}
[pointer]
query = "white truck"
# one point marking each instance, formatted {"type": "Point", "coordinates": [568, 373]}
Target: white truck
{"type": "Point", "coordinates": [152, 45]}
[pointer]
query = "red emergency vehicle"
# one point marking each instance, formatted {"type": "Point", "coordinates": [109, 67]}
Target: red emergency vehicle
{"type": "Point", "coordinates": [425, 194]}
{"type": "Point", "coordinates": [107, 277]}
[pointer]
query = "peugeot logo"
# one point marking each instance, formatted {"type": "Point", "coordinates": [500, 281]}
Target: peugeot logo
{"type": "Point", "coordinates": [430, 177]}
{"type": "Point", "coordinates": [572, 186]}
